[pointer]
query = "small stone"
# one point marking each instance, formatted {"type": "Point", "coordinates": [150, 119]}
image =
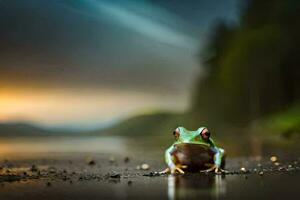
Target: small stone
{"type": "Point", "coordinates": [34, 168]}
{"type": "Point", "coordinates": [115, 175]}
{"type": "Point", "coordinates": [243, 169]}
{"type": "Point", "coordinates": [295, 162]}
{"type": "Point", "coordinates": [261, 173]}
{"type": "Point", "coordinates": [145, 166]}
{"type": "Point", "coordinates": [273, 158]}
{"type": "Point", "coordinates": [129, 183]}
{"type": "Point", "coordinates": [112, 159]}
{"type": "Point", "coordinates": [151, 174]}
{"type": "Point", "coordinates": [52, 170]}
{"type": "Point", "coordinates": [138, 167]}
{"type": "Point", "coordinates": [281, 169]}
{"type": "Point", "coordinates": [290, 166]}
{"type": "Point", "coordinates": [90, 161]}
{"type": "Point", "coordinates": [259, 165]}
{"type": "Point", "coordinates": [276, 163]}
{"type": "Point", "coordinates": [126, 159]}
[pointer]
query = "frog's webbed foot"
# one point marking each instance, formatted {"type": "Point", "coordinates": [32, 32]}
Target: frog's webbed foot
{"type": "Point", "coordinates": [178, 168]}
{"type": "Point", "coordinates": [219, 170]}
{"type": "Point", "coordinates": [165, 171]}
{"type": "Point", "coordinates": [173, 170]}
{"type": "Point", "coordinates": [215, 169]}
{"type": "Point", "coordinates": [208, 170]}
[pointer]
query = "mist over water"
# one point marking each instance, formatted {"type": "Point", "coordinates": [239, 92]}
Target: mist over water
{"type": "Point", "coordinates": [63, 144]}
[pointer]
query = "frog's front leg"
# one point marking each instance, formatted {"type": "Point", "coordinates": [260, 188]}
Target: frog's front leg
{"type": "Point", "coordinates": [170, 158]}
{"type": "Point", "coordinates": [219, 160]}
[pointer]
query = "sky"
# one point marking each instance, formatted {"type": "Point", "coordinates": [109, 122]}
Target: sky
{"type": "Point", "coordinates": [85, 64]}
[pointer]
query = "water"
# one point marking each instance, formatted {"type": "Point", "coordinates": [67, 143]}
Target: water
{"type": "Point", "coordinates": [29, 145]}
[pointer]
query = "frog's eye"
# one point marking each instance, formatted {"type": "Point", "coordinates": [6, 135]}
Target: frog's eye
{"type": "Point", "coordinates": [205, 133]}
{"type": "Point", "coordinates": [176, 133]}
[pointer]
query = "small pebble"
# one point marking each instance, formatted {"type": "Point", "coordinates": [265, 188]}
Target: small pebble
{"type": "Point", "coordinates": [261, 173]}
{"type": "Point", "coordinates": [145, 166]}
{"type": "Point", "coordinates": [129, 183]}
{"type": "Point", "coordinates": [243, 169]}
{"type": "Point", "coordinates": [112, 159]}
{"type": "Point", "coordinates": [115, 175]}
{"type": "Point", "coordinates": [281, 169]}
{"type": "Point", "coordinates": [276, 163]}
{"type": "Point", "coordinates": [295, 162]}
{"type": "Point", "coordinates": [273, 158]}
{"type": "Point", "coordinates": [151, 174]}
{"type": "Point", "coordinates": [52, 170]}
{"type": "Point", "coordinates": [90, 161]}
{"type": "Point", "coordinates": [126, 159]}
{"type": "Point", "coordinates": [34, 168]}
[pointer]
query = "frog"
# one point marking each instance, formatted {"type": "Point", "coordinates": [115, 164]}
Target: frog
{"type": "Point", "coordinates": [194, 151]}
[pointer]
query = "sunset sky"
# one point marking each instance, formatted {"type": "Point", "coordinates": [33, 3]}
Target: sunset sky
{"type": "Point", "coordinates": [89, 63]}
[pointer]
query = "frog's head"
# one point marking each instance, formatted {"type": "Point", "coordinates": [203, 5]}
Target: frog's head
{"type": "Point", "coordinates": [185, 136]}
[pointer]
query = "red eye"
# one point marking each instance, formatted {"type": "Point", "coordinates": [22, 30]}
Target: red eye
{"type": "Point", "coordinates": [205, 133]}
{"type": "Point", "coordinates": [176, 133]}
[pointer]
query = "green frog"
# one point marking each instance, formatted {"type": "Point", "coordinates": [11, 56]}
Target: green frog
{"type": "Point", "coordinates": [194, 151]}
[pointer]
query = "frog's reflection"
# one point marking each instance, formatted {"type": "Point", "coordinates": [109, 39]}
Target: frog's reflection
{"type": "Point", "coordinates": [195, 186]}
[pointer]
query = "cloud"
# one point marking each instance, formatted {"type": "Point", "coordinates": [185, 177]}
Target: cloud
{"type": "Point", "coordinates": [80, 109]}
{"type": "Point", "coordinates": [158, 28]}
{"type": "Point", "coordinates": [142, 52]}
{"type": "Point", "coordinates": [147, 26]}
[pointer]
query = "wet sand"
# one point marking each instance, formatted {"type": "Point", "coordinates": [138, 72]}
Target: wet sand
{"type": "Point", "coordinates": [121, 176]}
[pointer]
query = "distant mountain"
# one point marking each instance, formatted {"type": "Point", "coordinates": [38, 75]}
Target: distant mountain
{"type": "Point", "coordinates": [23, 129]}
{"type": "Point", "coordinates": [151, 124]}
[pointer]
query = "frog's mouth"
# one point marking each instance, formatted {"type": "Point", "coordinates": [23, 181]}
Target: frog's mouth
{"type": "Point", "coordinates": [194, 156]}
